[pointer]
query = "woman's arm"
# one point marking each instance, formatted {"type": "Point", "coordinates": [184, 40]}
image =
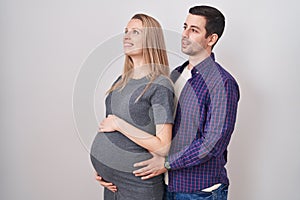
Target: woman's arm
{"type": "Point", "coordinates": [159, 143]}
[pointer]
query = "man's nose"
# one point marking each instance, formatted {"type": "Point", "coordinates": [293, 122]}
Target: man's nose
{"type": "Point", "coordinates": [185, 33]}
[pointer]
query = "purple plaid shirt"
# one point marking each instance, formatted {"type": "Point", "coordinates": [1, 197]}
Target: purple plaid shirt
{"type": "Point", "coordinates": [204, 122]}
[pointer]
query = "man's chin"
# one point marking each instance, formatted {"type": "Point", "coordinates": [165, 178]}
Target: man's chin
{"type": "Point", "coordinates": [185, 51]}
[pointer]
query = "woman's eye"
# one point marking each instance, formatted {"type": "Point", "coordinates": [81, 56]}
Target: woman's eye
{"type": "Point", "coordinates": [135, 32]}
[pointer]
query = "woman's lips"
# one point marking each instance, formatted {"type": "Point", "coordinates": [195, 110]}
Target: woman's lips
{"type": "Point", "coordinates": [126, 44]}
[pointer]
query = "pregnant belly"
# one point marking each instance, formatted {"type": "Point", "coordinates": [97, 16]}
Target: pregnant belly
{"type": "Point", "coordinates": [115, 151]}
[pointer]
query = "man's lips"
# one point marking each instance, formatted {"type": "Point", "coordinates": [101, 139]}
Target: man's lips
{"type": "Point", "coordinates": [185, 42]}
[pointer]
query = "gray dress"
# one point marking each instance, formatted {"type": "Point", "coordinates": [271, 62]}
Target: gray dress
{"type": "Point", "coordinates": [113, 154]}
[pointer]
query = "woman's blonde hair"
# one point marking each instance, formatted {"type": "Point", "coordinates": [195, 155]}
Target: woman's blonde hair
{"type": "Point", "coordinates": [154, 53]}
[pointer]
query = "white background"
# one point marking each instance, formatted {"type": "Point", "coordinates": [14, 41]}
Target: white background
{"type": "Point", "coordinates": [44, 43]}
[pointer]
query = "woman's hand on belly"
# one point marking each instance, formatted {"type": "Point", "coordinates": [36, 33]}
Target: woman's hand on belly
{"type": "Point", "coordinates": [109, 124]}
{"type": "Point", "coordinates": [109, 186]}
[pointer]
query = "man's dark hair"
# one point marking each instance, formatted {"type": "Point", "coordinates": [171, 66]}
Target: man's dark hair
{"type": "Point", "coordinates": [215, 20]}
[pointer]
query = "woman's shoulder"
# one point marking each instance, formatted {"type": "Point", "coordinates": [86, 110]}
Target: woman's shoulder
{"type": "Point", "coordinates": [164, 81]}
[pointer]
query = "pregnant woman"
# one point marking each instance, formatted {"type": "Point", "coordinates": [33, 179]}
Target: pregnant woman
{"type": "Point", "coordinates": [139, 110]}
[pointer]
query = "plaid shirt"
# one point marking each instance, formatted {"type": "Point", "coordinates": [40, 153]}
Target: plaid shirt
{"type": "Point", "coordinates": [204, 122]}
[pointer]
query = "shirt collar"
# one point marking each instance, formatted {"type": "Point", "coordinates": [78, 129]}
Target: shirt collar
{"type": "Point", "coordinates": [203, 64]}
{"type": "Point", "coordinates": [197, 68]}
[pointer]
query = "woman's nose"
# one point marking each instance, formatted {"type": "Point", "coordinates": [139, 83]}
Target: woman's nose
{"type": "Point", "coordinates": [127, 35]}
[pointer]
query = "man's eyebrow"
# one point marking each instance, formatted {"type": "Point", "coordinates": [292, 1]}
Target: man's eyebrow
{"type": "Point", "coordinates": [197, 27]}
{"type": "Point", "coordinates": [193, 26]}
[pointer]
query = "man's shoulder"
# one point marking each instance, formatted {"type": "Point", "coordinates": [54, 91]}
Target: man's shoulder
{"type": "Point", "coordinates": [228, 80]}
{"type": "Point", "coordinates": [226, 75]}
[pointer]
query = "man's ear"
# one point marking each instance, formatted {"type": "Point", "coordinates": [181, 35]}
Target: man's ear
{"type": "Point", "coordinates": [213, 38]}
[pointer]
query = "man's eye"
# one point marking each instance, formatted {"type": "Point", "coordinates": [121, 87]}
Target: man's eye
{"type": "Point", "coordinates": [184, 27]}
{"type": "Point", "coordinates": [194, 30]}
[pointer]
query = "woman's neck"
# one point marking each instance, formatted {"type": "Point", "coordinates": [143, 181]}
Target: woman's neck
{"type": "Point", "coordinates": [140, 69]}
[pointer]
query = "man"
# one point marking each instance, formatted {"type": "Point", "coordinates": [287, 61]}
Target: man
{"type": "Point", "coordinates": [205, 115]}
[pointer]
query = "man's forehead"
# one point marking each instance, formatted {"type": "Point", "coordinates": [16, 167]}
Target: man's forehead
{"type": "Point", "coordinates": [195, 20]}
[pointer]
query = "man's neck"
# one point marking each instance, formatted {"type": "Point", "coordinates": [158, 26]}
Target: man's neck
{"type": "Point", "coordinates": [194, 60]}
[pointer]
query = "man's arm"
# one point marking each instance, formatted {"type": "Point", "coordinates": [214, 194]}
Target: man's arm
{"type": "Point", "coordinates": [218, 128]}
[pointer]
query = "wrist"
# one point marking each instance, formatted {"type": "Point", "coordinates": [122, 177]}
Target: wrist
{"type": "Point", "coordinates": [167, 163]}
{"type": "Point", "coordinates": [116, 123]}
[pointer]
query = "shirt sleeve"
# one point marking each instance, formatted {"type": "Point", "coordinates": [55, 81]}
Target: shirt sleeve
{"type": "Point", "coordinates": [219, 125]}
{"type": "Point", "coordinates": [162, 102]}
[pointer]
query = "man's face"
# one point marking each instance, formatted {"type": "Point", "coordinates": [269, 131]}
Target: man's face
{"type": "Point", "coordinates": [193, 40]}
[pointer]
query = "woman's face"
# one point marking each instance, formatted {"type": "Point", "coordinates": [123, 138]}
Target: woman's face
{"type": "Point", "coordinates": [132, 41]}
